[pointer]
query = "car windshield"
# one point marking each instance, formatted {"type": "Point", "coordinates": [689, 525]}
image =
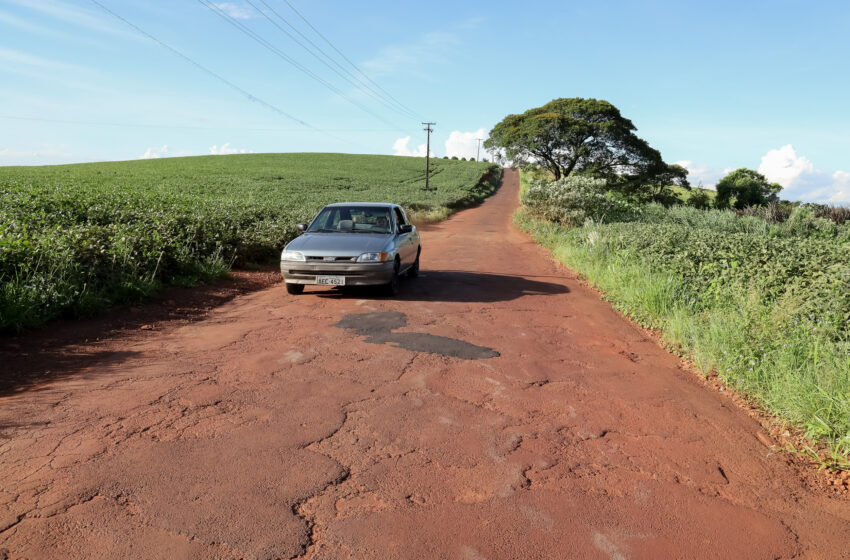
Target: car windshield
{"type": "Point", "coordinates": [352, 219]}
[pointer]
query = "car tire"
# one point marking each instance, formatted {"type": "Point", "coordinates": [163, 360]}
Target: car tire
{"type": "Point", "coordinates": [413, 271]}
{"type": "Point", "coordinates": [394, 284]}
{"type": "Point", "coordinates": [294, 289]}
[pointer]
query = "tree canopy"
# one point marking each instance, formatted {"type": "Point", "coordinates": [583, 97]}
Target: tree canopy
{"type": "Point", "coordinates": [747, 187]}
{"type": "Point", "coordinates": [574, 134]}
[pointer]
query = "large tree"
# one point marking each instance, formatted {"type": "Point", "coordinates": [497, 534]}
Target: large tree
{"type": "Point", "coordinates": [747, 187]}
{"type": "Point", "coordinates": [578, 135]}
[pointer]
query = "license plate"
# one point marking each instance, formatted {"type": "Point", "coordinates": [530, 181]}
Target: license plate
{"type": "Point", "coordinates": [330, 280]}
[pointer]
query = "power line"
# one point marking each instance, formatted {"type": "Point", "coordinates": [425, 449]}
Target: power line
{"type": "Point", "coordinates": [347, 76]}
{"type": "Point", "coordinates": [259, 39]}
{"type": "Point", "coordinates": [204, 68]}
{"type": "Point", "coordinates": [387, 99]}
{"type": "Point", "coordinates": [339, 52]}
{"type": "Point", "coordinates": [217, 76]}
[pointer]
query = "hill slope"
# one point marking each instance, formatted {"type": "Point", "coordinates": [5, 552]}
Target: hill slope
{"type": "Point", "coordinates": [78, 238]}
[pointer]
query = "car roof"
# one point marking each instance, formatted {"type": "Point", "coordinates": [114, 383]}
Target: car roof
{"type": "Point", "coordinates": [383, 204]}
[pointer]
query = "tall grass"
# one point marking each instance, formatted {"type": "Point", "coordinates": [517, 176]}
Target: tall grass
{"type": "Point", "coordinates": [783, 340]}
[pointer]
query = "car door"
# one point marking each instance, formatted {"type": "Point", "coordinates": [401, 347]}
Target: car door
{"type": "Point", "coordinates": [406, 241]}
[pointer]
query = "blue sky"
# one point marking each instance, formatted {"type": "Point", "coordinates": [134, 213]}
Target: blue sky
{"type": "Point", "coordinates": [715, 85]}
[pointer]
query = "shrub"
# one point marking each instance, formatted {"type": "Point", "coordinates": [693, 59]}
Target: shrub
{"type": "Point", "coordinates": [747, 187]}
{"type": "Point", "coordinates": [576, 199]}
{"type": "Point", "coordinates": [699, 199]}
{"type": "Point", "coordinates": [837, 214]}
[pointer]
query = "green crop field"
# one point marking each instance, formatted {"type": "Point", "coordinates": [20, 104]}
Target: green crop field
{"type": "Point", "coordinates": [75, 239]}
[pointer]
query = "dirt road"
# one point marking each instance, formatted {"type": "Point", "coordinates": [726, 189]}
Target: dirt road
{"type": "Point", "coordinates": [497, 409]}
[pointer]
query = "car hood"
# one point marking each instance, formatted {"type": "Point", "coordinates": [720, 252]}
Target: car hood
{"type": "Point", "coordinates": [339, 244]}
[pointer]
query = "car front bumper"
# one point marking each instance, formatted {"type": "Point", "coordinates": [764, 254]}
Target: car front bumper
{"type": "Point", "coordinates": [356, 274]}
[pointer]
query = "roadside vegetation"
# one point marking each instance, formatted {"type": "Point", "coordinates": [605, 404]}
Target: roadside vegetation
{"type": "Point", "coordinates": [743, 284]}
{"type": "Point", "coordinates": [75, 239]}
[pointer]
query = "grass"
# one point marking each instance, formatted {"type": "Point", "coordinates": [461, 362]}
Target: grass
{"type": "Point", "coordinates": [75, 239]}
{"type": "Point", "coordinates": [766, 307]}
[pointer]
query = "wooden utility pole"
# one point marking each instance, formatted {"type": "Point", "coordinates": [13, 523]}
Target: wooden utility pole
{"type": "Point", "coordinates": [428, 128]}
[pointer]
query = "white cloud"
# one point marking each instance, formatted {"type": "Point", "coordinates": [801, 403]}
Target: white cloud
{"type": "Point", "coordinates": [840, 188]}
{"type": "Point", "coordinates": [829, 189]}
{"type": "Point", "coordinates": [225, 149]}
{"type": "Point", "coordinates": [784, 166]}
{"type": "Point", "coordinates": [801, 180]}
{"type": "Point", "coordinates": [400, 148]}
{"type": "Point", "coordinates": [409, 58]}
{"type": "Point", "coordinates": [701, 175]}
{"type": "Point", "coordinates": [465, 144]}
{"type": "Point", "coordinates": [28, 60]}
{"type": "Point", "coordinates": [9, 19]}
{"type": "Point", "coordinates": [234, 10]}
{"type": "Point", "coordinates": [155, 152]}
{"type": "Point", "coordinates": [74, 15]}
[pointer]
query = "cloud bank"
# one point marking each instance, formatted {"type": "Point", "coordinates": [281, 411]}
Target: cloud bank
{"type": "Point", "coordinates": [235, 11]}
{"type": "Point", "coordinates": [155, 152]}
{"type": "Point", "coordinates": [799, 177]}
{"type": "Point", "coordinates": [801, 180]}
{"type": "Point", "coordinates": [465, 144]}
{"type": "Point", "coordinates": [702, 175]}
{"type": "Point", "coordinates": [460, 144]}
{"type": "Point", "coordinates": [225, 150]}
{"type": "Point", "coordinates": [401, 148]}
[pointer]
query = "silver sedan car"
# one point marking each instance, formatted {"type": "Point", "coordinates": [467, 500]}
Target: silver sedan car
{"type": "Point", "coordinates": [353, 244]}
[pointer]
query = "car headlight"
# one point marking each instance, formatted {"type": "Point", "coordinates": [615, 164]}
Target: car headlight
{"type": "Point", "coordinates": [292, 256]}
{"type": "Point", "coordinates": [374, 257]}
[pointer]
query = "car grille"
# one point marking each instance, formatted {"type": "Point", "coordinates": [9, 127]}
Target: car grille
{"type": "Point", "coordinates": [331, 259]}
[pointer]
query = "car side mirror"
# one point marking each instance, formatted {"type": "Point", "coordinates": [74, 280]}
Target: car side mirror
{"type": "Point", "coordinates": [301, 227]}
{"type": "Point", "coordinates": [405, 228]}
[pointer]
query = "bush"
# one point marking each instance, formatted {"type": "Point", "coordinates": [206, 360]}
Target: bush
{"type": "Point", "coordinates": [699, 199]}
{"type": "Point", "coordinates": [837, 214]}
{"type": "Point", "coordinates": [747, 187]}
{"type": "Point", "coordinates": [574, 200]}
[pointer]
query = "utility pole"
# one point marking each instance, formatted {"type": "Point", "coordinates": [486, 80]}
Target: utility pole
{"type": "Point", "coordinates": [478, 157]}
{"type": "Point", "coordinates": [428, 129]}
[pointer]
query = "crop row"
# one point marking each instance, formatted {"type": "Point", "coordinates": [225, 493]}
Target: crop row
{"type": "Point", "coordinates": [77, 239]}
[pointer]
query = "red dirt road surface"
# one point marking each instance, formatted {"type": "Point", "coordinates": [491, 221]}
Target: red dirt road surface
{"type": "Point", "coordinates": [496, 409]}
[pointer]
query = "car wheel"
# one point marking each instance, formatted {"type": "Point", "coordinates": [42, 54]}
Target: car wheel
{"type": "Point", "coordinates": [413, 271]}
{"type": "Point", "coordinates": [294, 289]}
{"type": "Point", "coordinates": [395, 282]}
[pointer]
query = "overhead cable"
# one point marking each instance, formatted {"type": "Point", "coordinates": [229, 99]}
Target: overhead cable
{"type": "Point", "coordinates": [340, 53]}
{"type": "Point", "coordinates": [204, 68]}
{"type": "Point", "coordinates": [340, 69]}
{"type": "Point", "coordinates": [259, 39]}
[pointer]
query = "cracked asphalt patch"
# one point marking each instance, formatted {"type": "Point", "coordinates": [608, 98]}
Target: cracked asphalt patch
{"type": "Point", "coordinates": [263, 431]}
{"type": "Point", "coordinates": [377, 327]}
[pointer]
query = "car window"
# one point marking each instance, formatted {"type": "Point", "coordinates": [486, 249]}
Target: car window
{"type": "Point", "coordinates": [353, 219]}
{"type": "Point", "coordinates": [399, 216]}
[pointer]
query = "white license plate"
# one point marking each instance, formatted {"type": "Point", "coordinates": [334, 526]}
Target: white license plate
{"type": "Point", "coordinates": [330, 280]}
